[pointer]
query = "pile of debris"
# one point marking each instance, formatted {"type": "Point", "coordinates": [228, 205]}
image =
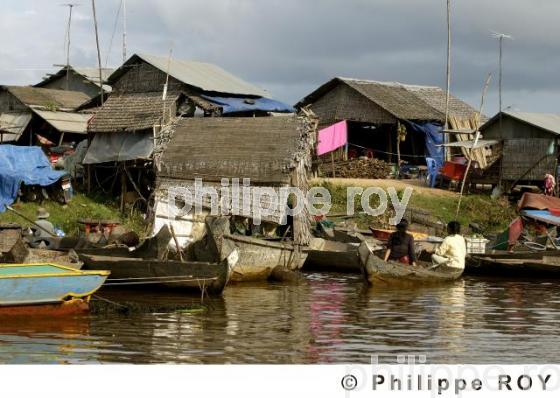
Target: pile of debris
{"type": "Point", "coordinates": [358, 168]}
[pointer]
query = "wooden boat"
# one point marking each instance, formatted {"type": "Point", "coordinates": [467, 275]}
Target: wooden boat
{"type": "Point", "coordinates": [152, 273]}
{"type": "Point", "coordinates": [259, 258]}
{"type": "Point", "coordinates": [46, 287]}
{"type": "Point", "coordinates": [544, 264]}
{"type": "Point", "coordinates": [332, 256]}
{"type": "Point", "coordinates": [378, 271]}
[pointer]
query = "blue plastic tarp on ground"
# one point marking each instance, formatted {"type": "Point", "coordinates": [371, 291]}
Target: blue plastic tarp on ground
{"type": "Point", "coordinates": [434, 138]}
{"type": "Point", "coordinates": [27, 165]}
{"type": "Point", "coordinates": [237, 105]}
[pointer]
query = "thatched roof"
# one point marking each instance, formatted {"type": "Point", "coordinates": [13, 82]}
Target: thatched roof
{"type": "Point", "coordinates": [47, 98]}
{"type": "Point", "coordinates": [265, 149]}
{"type": "Point", "coordinates": [131, 112]}
{"type": "Point", "coordinates": [402, 101]}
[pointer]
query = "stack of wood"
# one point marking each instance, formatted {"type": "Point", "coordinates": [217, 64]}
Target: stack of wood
{"type": "Point", "coordinates": [358, 168]}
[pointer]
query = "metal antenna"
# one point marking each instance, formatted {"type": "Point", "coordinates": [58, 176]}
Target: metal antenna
{"type": "Point", "coordinates": [98, 50]}
{"type": "Point", "coordinates": [67, 39]}
{"type": "Point", "coordinates": [124, 30]}
{"type": "Point", "coordinates": [501, 37]}
{"type": "Point", "coordinates": [448, 75]}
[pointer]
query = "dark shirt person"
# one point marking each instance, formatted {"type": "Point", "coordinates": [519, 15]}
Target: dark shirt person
{"type": "Point", "coordinates": [400, 247]}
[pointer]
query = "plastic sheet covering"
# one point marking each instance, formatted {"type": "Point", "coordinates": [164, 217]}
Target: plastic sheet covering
{"type": "Point", "coordinates": [237, 105]}
{"type": "Point", "coordinates": [27, 165]}
{"type": "Point", "coordinates": [119, 147]}
{"type": "Point", "coordinates": [434, 139]}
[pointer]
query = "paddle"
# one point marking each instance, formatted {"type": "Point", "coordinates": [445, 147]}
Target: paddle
{"type": "Point", "coordinates": [31, 221]}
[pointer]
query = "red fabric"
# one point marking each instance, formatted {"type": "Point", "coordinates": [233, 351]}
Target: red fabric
{"type": "Point", "coordinates": [404, 260]}
{"type": "Point", "coordinates": [454, 171]}
{"type": "Point", "coordinates": [538, 202]}
{"type": "Point", "coordinates": [515, 230]}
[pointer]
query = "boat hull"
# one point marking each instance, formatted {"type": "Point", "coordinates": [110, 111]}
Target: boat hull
{"type": "Point", "coordinates": [45, 284]}
{"type": "Point", "coordinates": [515, 265]}
{"type": "Point", "coordinates": [379, 272]}
{"type": "Point", "coordinates": [259, 258]}
{"type": "Point", "coordinates": [154, 274]}
{"type": "Point", "coordinates": [334, 257]}
{"type": "Point", "coordinates": [70, 307]}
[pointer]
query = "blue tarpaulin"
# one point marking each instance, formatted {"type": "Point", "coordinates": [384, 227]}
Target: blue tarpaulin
{"type": "Point", "coordinates": [543, 216]}
{"type": "Point", "coordinates": [236, 105]}
{"type": "Point", "coordinates": [28, 165]}
{"type": "Point", "coordinates": [434, 138]}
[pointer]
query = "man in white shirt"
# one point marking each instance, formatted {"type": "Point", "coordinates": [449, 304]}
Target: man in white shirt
{"type": "Point", "coordinates": [452, 252]}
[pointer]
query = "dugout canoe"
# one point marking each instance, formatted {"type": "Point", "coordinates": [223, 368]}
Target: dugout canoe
{"type": "Point", "coordinates": [379, 272]}
{"type": "Point", "coordinates": [545, 264]}
{"type": "Point", "coordinates": [156, 274]}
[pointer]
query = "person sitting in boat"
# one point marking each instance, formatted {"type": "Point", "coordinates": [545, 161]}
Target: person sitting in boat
{"type": "Point", "coordinates": [43, 228]}
{"type": "Point", "coordinates": [400, 247]}
{"type": "Point", "coordinates": [452, 252]}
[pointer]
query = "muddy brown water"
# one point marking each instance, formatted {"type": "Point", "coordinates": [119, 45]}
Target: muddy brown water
{"type": "Point", "coordinates": [328, 318]}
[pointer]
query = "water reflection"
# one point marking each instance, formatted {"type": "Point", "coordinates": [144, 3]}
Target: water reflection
{"type": "Point", "coordinates": [326, 319]}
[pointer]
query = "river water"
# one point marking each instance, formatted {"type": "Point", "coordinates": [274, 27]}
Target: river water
{"type": "Point", "coordinates": [328, 318]}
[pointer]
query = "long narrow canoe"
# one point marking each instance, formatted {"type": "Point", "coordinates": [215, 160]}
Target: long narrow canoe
{"type": "Point", "coordinates": [152, 273]}
{"type": "Point", "coordinates": [38, 284]}
{"type": "Point", "coordinates": [545, 264]}
{"type": "Point", "coordinates": [378, 271]}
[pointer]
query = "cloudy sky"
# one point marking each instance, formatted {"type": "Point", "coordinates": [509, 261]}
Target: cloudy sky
{"type": "Point", "coordinates": [289, 47]}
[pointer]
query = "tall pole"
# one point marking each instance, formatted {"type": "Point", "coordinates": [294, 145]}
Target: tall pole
{"type": "Point", "coordinates": [448, 84]}
{"type": "Point", "coordinates": [68, 41]}
{"type": "Point", "coordinates": [501, 37]}
{"type": "Point", "coordinates": [98, 50]}
{"type": "Point", "coordinates": [124, 31]}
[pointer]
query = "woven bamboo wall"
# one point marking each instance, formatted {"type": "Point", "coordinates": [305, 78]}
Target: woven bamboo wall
{"type": "Point", "coordinates": [522, 155]}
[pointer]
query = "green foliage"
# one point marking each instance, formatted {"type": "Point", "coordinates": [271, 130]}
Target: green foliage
{"type": "Point", "coordinates": [81, 207]}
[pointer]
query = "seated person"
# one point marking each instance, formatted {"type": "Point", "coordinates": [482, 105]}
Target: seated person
{"type": "Point", "coordinates": [451, 254]}
{"type": "Point", "coordinates": [400, 247]}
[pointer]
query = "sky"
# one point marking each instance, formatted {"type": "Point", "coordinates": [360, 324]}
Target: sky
{"type": "Point", "coordinates": [290, 47]}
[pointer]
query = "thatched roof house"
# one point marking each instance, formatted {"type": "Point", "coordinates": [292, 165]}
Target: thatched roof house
{"type": "Point", "coordinates": [27, 113]}
{"type": "Point", "coordinates": [375, 102]}
{"type": "Point", "coordinates": [84, 80]}
{"type": "Point", "coordinates": [272, 152]}
{"type": "Point", "coordinates": [136, 104]}
{"type": "Point", "coordinates": [373, 110]}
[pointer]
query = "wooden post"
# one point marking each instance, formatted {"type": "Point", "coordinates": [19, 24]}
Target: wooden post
{"type": "Point", "coordinates": [123, 190]}
{"type": "Point", "coordinates": [332, 164]}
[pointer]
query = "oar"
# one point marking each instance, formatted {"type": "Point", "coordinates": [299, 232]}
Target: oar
{"type": "Point", "coordinates": [31, 221]}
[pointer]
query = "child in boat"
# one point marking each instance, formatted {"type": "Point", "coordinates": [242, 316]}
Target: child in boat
{"type": "Point", "coordinates": [450, 255]}
{"type": "Point", "coordinates": [400, 247]}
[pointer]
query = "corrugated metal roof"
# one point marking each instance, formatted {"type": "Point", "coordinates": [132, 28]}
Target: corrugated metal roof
{"type": "Point", "coordinates": [207, 77]}
{"type": "Point", "coordinates": [66, 122]}
{"type": "Point", "coordinates": [545, 121]}
{"type": "Point", "coordinates": [13, 125]}
{"type": "Point", "coordinates": [90, 74]}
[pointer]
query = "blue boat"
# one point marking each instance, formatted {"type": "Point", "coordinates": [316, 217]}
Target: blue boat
{"type": "Point", "coordinates": [42, 284]}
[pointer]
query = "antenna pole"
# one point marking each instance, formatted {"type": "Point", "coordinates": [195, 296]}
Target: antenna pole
{"type": "Point", "coordinates": [98, 50]}
{"type": "Point", "coordinates": [68, 35]}
{"type": "Point", "coordinates": [448, 73]}
{"type": "Point", "coordinates": [124, 31]}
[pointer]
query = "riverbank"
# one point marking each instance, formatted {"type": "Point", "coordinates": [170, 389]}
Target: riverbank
{"type": "Point", "coordinates": [80, 207]}
{"type": "Point", "coordinates": [491, 215]}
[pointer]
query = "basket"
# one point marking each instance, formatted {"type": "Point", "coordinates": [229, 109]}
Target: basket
{"type": "Point", "coordinates": [476, 245]}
